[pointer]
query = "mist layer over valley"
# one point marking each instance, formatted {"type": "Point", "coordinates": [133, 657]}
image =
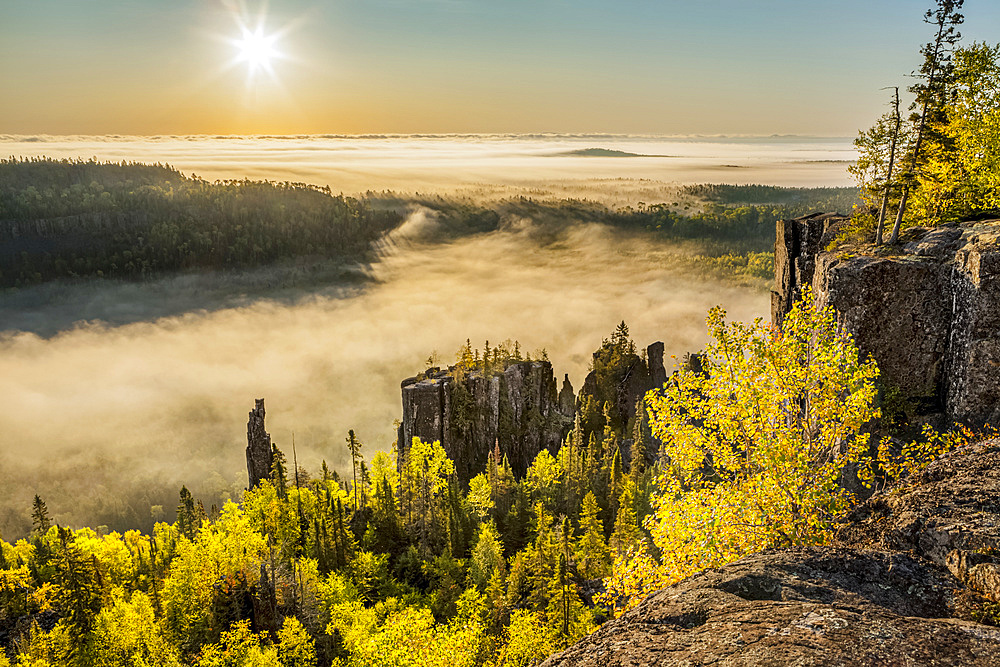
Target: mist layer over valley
{"type": "Point", "coordinates": [117, 392]}
{"type": "Point", "coordinates": [614, 168]}
{"type": "Point", "coordinates": [101, 417]}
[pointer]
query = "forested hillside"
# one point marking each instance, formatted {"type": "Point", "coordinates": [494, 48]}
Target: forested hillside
{"type": "Point", "coordinates": [85, 219]}
{"type": "Point", "coordinates": [396, 563]}
{"type": "Point", "coordinates": [70, 219]}
{"type": "Point", "coordinates": [392, 564]}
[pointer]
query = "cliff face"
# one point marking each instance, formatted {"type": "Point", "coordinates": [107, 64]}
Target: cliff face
{"type": "Point", "coordinates": [912, 569]}
{"type": "Point", "coordinates": [258, 446]}
{"type": "Point", "coordinates": [629, 382]}
{"type": "Point", "coordinates": [518, 410]}
{"type": "Point", "coordinates": [929, 312]}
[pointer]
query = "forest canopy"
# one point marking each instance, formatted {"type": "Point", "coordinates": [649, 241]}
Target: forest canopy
{"type": "Point", "coordinates": [942, 162]}
{"type": "Point", "coordinates": [72, 219]}
{"type": "Point", "coordinates": [69, 219]}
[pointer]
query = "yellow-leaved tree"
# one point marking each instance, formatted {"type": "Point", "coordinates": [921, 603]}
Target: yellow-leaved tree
{"type": "Point", "coordinates": [756, 443]}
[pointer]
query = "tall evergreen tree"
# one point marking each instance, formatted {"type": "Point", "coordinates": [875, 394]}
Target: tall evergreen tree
{"type": "Point", "coordinates": [79, 595]}
{"type": "Point", "coordinates": [278, 475]}
{"type": "Point", "coordinates": [930, 93]}
{"type": "Point", "coordinates": [187, 515]}
{"type": "Point", "coordinates": [40, 522]}
{"type": "Point", "coordinates": [592, 555]}
{"type": "Point", "coordinates": [354, 446]}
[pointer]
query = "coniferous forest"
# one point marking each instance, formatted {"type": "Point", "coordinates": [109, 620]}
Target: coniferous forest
{"type": "Point", "coordinates": [764, 439]}
{"type": "Point", "coordinates": [74, 219]}
{"type": "Point", "coordinates": [396, 562]}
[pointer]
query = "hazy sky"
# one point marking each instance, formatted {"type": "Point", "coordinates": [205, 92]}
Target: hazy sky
{"type": "Point", "coordinates": [436, 66]}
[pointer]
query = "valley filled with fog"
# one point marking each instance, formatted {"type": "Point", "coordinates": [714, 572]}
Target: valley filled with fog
{"type": "Point", "coordinates": [115, 393]}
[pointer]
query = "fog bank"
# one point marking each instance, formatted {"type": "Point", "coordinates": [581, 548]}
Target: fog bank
{"type": "Point", "coordinates": [544, 165]}
{"type": "Point", "coordinates": [99, 414]}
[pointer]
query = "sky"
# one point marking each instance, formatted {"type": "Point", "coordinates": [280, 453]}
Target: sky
{"type": "Point", "coordinates": [665, 67]}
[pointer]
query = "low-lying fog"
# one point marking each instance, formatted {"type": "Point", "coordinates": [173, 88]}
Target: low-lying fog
{"type": "Point", "coordinates": [622, 169]}
{"type": "Point", "coordinates": [105, 419]}
{"type": "Point", "coordinates": [98, 417]}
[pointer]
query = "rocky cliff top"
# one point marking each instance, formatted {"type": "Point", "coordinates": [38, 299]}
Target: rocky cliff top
{"type": "Point", "coordinates": [927, 310]}
{"type": "Point", "coordinates": [913, 570]}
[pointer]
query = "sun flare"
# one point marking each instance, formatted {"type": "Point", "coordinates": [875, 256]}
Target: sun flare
{"type": "Point", "coordinates": [256, 49]}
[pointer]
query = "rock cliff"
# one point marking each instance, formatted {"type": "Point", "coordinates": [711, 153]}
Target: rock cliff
{"type": "Point", "coordinates": [928, 311]}
{"type": "Point", "coordinates": [627, 382]}
{"type": "Point", "coordinates": [258, 446]}
{"type": "Point", "coordinates": [913, 572]}
{"type": "Point", "coordinates": [517, 410]}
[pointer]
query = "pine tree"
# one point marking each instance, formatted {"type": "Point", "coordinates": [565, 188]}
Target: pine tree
{"type": "Point", "coordinates": [40, 521]}
{"type": "Point", "coordinates": [592, 553]}
{"type": "Point", "coordinates": [931, 94]}
{"type": "Point", "coordinates": [354, 446]}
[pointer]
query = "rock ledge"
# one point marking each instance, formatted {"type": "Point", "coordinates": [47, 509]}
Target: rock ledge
{"type": "Point", "coordinates": [912, 567]}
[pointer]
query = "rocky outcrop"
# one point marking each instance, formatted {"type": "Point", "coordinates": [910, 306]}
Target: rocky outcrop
{"type": "Point", "coordinates": [913, 570]}
{"type": "Point", "coordinates": [928, 312]}
{"type": "Point", "coordinates": [567, 398]}
{"type": "Point", "coordinates": [258, 446]}
{"type": "Point", "coordinates": [622, 385]}
{"type": "Point", "coordinates": [654, 361]}
{"type": "Point", "coordinates": [628, 382]}
{"type": "Point", "coordinates": [517, 410]}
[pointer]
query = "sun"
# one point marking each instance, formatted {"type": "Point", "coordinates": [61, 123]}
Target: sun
{"type": "Point", "coordinates": [256, 49]}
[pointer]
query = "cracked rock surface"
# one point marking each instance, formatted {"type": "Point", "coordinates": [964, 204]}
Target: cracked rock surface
{"type": "Point", "coordinates": [900, 588]}
{"type": "Point", "coordinates": [928, 310]}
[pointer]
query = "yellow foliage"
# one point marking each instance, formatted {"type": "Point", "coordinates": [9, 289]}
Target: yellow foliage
{"type": "Point", "coordinates": [896, 462]}
{"type": "Point", "coordinates": [756, 445]}
{"type": "Point", "coordinates": [408, 637]}
{"type": "Point", "coordinates": [12, 580]}
{"type": "Point", "coordinates": [528, 641]}
{"type": "Point", "coordinates": [239, 647]}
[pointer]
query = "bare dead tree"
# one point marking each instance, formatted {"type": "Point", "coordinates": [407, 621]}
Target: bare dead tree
{"type": "Point", "coordinates": [936, 61]}
{"type": "Point", "coordinates": [888, 175]}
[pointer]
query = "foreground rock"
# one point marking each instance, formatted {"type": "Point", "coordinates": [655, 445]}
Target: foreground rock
{"type": "Point", "coordinates": [912, 570]}
{"type": "Point", "coordinates": [928, 311]}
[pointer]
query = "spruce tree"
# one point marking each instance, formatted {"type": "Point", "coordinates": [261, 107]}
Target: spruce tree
{"type": "Point", "coordinates": [278, 476]}
{"type": "Point", "coordinates": [187, 516]}
{"type": "Point", "coordinates": [626, 534]}
{"type": "Point", "coordinates": [592, 554]}
{"type": "Point", "coordinates": [354, 446]}
{"type": "Point", "coordinates": [931, 93]}
{"type": "Point", "coordinates": [40, 521]}
{"type": "Point", "coordinates": [79, 595]}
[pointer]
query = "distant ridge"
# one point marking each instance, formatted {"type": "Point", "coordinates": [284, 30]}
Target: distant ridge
{"type": "Point", "coordinates": [603, 152]}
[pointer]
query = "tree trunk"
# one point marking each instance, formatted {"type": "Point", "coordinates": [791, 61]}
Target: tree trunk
{"type": "Point", "coordinates": [888, 176]}
{"type": "Point", "coordinates": [920, 133]}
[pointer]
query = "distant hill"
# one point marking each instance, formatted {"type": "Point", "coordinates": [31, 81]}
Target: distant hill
{"type": "Point", "coordinates": [603, 152]}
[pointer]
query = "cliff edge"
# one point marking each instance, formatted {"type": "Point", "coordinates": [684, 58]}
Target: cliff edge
{"type": "Point", "coordinates": [928, 310]}
{"type": "Point", "coordinates": [914, 576]}
{"type": "Point", "coordinates": [914, 568]}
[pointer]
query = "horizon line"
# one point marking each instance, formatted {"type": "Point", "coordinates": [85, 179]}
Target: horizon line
{"type": "Point", "coordinates": [44, 137]}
